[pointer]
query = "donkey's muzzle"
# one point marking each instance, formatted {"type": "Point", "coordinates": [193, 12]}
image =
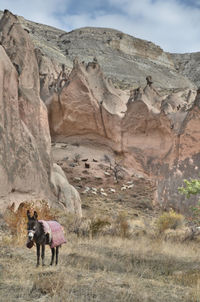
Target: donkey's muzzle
{"type": "Point", "coordinates": [30, 235]}
{"type": "Point", "coordinates": [30, 242]}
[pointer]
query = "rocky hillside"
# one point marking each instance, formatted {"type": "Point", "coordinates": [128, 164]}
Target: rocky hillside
{"type": "Point", "coordinates": [189, 65]}
{"type": "Point", "coordinates": [125, 59]}
{"type": "Point", "coordinates": [150, 131]}
{"type": "Point", "coordinates": [149, 134]}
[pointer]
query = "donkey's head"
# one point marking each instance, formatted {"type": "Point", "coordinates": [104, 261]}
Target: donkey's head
{"type": "Point", "coordinates": [33, 225]}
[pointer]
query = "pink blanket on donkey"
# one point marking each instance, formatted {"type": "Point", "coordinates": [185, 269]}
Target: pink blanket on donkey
{"type": "Point", "coordinates": [55, 231]}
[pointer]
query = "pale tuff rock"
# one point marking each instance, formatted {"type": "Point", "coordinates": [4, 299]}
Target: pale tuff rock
{"type": "Point", "coordinates": [67, 195]}
{"type": "Point", "coordinates": [24, 127]}
{"type": "Point", "coordinates": [25, 149]}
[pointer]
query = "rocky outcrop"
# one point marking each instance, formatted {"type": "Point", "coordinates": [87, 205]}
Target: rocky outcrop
{"type": "Point", "coordinates": [67, 194]}
{"type": "Point", "coordinates": [186, 161]}
{"type": "Point", "coordinates": [25, 150]}
{"type": "Point", "coordinates": [125, 59]}
{"type": "Point", "coordinates": [151, 131]}
{"type": "Point", "coordinates": [188, 64]}
{"type": "Point", "coordinates": [93, 101]}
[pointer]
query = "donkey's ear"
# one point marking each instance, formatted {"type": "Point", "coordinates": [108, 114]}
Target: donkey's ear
{"type": "Point", "coordinates": [35, 215]}
{"type": "Point", "coordinates": [28, 214]}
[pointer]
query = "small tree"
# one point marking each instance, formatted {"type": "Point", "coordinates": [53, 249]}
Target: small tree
{"type": "Point", "coordinates": [76, 158]}
{"type": "Point", "coordinates": [115, 167]}
{"type": "Point", "coordinates": [192, 187]}
{"type": "Point", "coordinates": [117, 171]}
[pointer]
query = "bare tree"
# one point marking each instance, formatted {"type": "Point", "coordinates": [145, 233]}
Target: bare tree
{"type": "Point", "coordinates": [117, 171]}
{"type": "Point", "coordinates": [77, 158]}
{"type": "Point", "coordinates": [116, 168]}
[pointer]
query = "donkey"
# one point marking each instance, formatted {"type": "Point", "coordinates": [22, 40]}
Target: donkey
{"type": "Point", "coordinates": [43, 232]}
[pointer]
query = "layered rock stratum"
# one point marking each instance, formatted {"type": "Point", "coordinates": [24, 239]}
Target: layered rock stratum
{"type": "Point", "coordinates": [104, 89]}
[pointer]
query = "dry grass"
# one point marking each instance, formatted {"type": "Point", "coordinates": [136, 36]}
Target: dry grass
{"type": "Point", "coordinates": [103, 269]}
{"type": "Point", "coordinates": [17, 219]}
{"type": "Point", "coordinates": [169, 220]}
{"type": "Point", "coordinates": [131, 264]}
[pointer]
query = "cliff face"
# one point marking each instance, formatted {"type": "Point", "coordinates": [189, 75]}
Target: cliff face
{"type": "Point", "coordinates": [25, 150]}
{"type": "Point", "coordinates": [87, 105]}
{"type": "Point", "coordinates": [154, 134]}
{"type": "Point", "coordinates": [154, 131]}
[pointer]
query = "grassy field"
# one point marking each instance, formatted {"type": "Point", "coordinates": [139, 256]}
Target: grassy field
{"type": "Point", "coordinates": [102, 269]}
{"type": "Point", "coordinates": [126, 259]}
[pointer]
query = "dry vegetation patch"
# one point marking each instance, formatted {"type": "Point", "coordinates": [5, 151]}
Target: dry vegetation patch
{"type": "Point", "coordinates": [16, 220]}
{"type": "Point", "coordinates": [104, 269]}
{"type": "Point", "coordinates": [115, 253]}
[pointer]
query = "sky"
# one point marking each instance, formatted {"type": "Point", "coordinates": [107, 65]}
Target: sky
{"type": "Point", "coordinates": [174, 25]}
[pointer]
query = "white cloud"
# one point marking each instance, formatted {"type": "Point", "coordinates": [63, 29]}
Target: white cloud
{"type": "Point", "coordinates": [172, 24]}
{"type": "Point", "coordinates": [41, 11]}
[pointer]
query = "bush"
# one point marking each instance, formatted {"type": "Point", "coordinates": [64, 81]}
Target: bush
{"type": "Point", "coordinates": [77, 158]}
{"type": "Point", "coordinates": [169, 220]}
{"type": "Point", "coordinates": [17, 220]}
{"type": "Point", "coordinates": [192, 187]}
{"type": "Point", "coordinates": [48, 283]}
{"type": "Point", "coordinates": [122, 225]}
{"type": "Point", "coordinates": [98, 225]}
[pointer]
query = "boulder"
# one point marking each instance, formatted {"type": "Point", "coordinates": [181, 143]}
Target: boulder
{"type": "Point", "coordinates": [67, 195]}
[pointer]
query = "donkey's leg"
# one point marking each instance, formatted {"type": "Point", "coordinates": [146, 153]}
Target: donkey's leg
{"type": "Point", "coordinates": [52, 255]}
{"type": "Point", "coordinates": [43, 254]}
{"type": "Point", "coordinates": [57, 250]}
{"type": "Point", "coordinates": [38, 254]}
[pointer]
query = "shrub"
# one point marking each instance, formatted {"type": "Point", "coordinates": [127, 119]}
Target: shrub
{"type": "Point", "coordinates": [17, 220]}
{"type": "Point", "coordinates": [192, 187]}
{"type": "Point", "coordinates": [49, 283]}
{"type": "Point", "coordinates": [98, 226]}
{"type": "Point", "coordinates": [122, 225]}
{"type": "Point", "coordinates": [169, 220]}
{"type": "Point", "coordinates": [77, 158]}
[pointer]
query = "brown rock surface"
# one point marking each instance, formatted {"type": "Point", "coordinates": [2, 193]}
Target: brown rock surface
{"type": "Point", "coordinates": [93, 101]}
{"type": "Point", "coordinates": [148, 129]}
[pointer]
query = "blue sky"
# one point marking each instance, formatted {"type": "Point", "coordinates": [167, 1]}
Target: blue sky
{"type": "Point", "coordinates": [172, 24]}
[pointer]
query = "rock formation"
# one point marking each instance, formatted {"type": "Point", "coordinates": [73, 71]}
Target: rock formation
{"type": "Point", "coordinates": [92, 100]}
{"type": "Point", "coordinates": [125, 59]}
{"type": "Point", "coordinates": [154, 128]}
{"type": "Point", "coordinates": [147, 128]}
{"type": "Point", "coordinates": [25, 150]}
